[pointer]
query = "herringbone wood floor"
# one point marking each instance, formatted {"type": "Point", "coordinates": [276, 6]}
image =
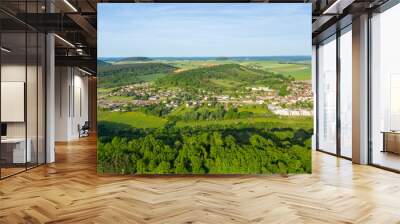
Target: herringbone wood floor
{"type": "Point", "coordinates": [70, 191]}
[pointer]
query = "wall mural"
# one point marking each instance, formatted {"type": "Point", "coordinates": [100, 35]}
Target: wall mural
{"type": "Point", "coordinates": [204, 88]}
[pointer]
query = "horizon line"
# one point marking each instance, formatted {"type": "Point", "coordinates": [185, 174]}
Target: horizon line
{"type": "Point", "coordinates": [204, 56]}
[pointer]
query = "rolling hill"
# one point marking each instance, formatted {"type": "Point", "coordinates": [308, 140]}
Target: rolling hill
{"type": "Point", "coordinates": [225, 77]}
{"type": "Point", "coordinates": [132, 60]}
{"type": "Point", "coordinates": [101, 63]}
{"type": "Point", "coordinates": [119, 75]}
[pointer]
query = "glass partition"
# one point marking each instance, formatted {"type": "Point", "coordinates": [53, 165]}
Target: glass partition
{"type": "Point", "coordinates": [13, 94]}
{"type": "Point", "coordinates": [22, 88]}
{"type": "Point", "coordinates": [385, 89]}
{"type": "Point", "coordinates": [346, 92]}
{"type": "Point", "coordinates": [41, 97]}
{"type": "Point", "coordinates": [32, 98]}
{"type": "Point", "coordinates": [327, 95]}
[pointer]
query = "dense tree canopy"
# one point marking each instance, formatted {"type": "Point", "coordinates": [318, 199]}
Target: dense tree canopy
{"type": "Point", "coordinates": [209, 150]}
{"type": "Point", "coordinates": [125, 74]}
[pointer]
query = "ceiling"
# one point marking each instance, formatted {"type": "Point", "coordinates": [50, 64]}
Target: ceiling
{"type": "Point", "coordinates": [332, 15]}
{"type": "Point", "coordinates": [75, 21]}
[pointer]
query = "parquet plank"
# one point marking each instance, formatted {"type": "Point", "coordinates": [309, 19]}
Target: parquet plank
{"type": "Point", "coordinates": [70, 191]}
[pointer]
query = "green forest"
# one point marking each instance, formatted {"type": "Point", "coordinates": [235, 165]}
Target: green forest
{"type": "Point", "coordinates": [216, 150]}
{"type": "Point", "coordinates": [119, 75]}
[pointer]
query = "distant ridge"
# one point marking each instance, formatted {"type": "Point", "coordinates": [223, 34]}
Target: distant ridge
{"type": "Point", "coordinates": [134, 59]}
{"type": "Point", "coordinates": [102, 63]}
{"type": "Point", "coordinates": [241, 58]}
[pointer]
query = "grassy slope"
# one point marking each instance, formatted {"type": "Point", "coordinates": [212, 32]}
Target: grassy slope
{"type": "Point", "coordinates": [151, 77]}
{"type": "Point", "coordinates": [298, 71]}
{"type": "Point", "coordinates": [298, 122]}
{"type": "Point", "coordinates": [135, 119]}
{"type": "Point", "coordinates": [256, 109]}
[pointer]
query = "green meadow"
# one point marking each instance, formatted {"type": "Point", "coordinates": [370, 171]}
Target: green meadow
{"type": "Point", "coordinates": [134, 119]}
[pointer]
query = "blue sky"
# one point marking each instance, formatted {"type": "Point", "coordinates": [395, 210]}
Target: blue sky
{"type": "Point", "coordinates": [188, 30]}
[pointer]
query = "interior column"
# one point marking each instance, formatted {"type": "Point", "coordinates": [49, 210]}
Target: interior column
{"type": "Point", "coordinates": [360, 90]}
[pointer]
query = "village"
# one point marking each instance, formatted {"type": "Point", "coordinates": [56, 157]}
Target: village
{"type": "Point", "coordinates": [297, 103]}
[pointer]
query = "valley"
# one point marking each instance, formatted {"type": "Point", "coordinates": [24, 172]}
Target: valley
{"type": "Point", "coordinates": [179, 105]}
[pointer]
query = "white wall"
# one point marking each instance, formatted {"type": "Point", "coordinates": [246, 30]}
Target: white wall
{"type": "Point", "coordinates": [13, 101]}
{"type": "Point", "coordinates": [12, 73]}
{"type": "Point", "coordinates": [71, 94]}
{"type": "Point", "coordinates": [80, 109]}
{"type": "Point", "coordinates": [62, 81]}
